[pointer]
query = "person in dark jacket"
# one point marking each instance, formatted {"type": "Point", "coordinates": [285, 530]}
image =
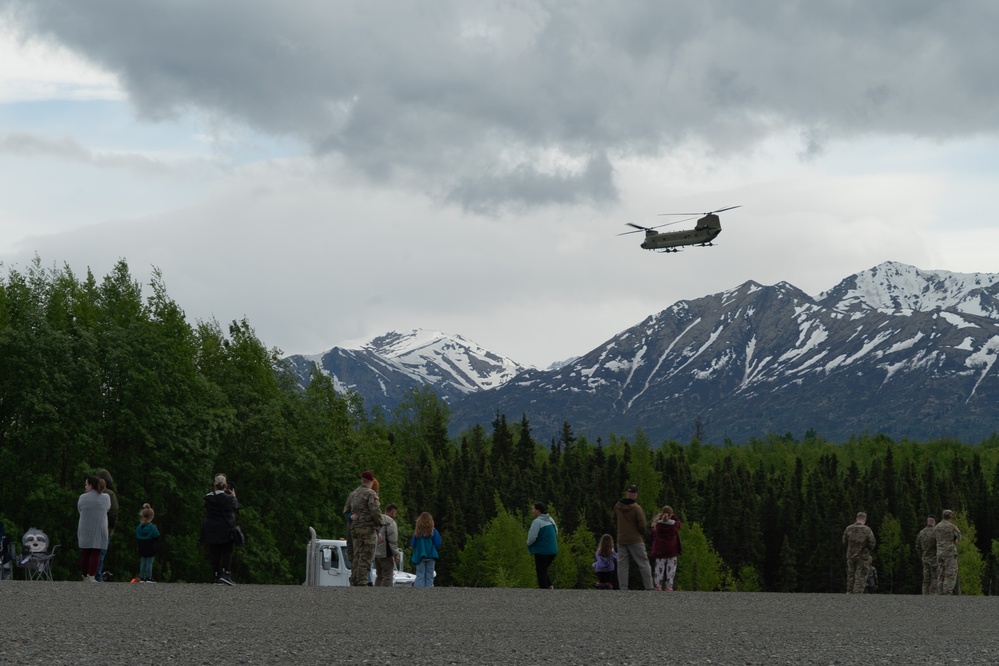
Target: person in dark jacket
{"type": "Point", "coordinates": [221, 506]}
{"type": "Point", "coordinates": [665, 548]}
{"type": "Point", "coordinates": [542, 543]}
{"type": "Point", "coordinates": [101, 575]}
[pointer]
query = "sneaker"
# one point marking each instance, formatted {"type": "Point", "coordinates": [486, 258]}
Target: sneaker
{"type": "Point", "coordinates": [669, 589]}
{"type": "Point", "coordinates": [659, 588]}
{"type": "Point", "coordinates": [225, 580]}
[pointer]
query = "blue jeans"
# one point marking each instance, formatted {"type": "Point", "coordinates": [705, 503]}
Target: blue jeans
{"type": "Point", "coordinates": [425, 573]}
{"type": "Point", "coordinates": [146, 568]}
{"type": "Point", "coordinates": [100, 566]}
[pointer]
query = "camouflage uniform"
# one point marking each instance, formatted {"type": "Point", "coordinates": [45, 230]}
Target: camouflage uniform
{"type": "Point", "coordinates": [926, 546]}
{"type": "Point", "coordinates": [947, 536]}
{"type": "Point", "coordinates": [364, 503]}
{"type": "Point", "coordinates": [859, 540]}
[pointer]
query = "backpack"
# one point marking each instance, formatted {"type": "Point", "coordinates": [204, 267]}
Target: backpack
{"type": "Point", "coordinates": [872, 579]}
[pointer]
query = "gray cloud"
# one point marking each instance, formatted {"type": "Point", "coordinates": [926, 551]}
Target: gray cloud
{"type": "Point", "coordinates": [526, 187]}
{"type": "Point", "coordinates": [471, 100]}
{"type": "Point", "coordinates": [34, 145]}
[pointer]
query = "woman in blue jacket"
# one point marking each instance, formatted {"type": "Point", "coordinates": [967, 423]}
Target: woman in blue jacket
{"type": "Point", "coordinates": [541, 543]}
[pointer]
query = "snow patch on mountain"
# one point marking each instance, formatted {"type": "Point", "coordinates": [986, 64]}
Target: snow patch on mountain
{"type": "Point", "coordinates": [893, 288]}
{"type": "Point", "coordinates": [957, 320]}
{"type": "Point", "coordinates": [433, 357]}
{"type": "Point", "coordinates": [984, 358]}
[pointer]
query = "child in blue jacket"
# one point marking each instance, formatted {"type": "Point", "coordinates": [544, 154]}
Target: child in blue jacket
{"type": "Point", "coordinates": [426, 544]}
{"type": "Point", "coordinates": [147, 535]}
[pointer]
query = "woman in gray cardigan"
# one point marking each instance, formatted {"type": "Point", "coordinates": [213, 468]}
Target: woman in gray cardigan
{"type": "Point", "coordinates": [92, 532]}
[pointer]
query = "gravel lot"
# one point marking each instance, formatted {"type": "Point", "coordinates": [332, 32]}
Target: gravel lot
{"type": "Point", "coordinates": [120, 623]}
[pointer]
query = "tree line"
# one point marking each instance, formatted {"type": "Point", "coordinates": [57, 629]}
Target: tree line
{"type": "Point", "coordinates": [97, 374]}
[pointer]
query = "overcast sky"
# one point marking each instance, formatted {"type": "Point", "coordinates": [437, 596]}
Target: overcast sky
{"type": "Point", "coordinates": [333, 171]}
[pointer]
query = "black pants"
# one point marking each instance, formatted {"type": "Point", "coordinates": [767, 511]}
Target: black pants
{"type": "Point", "coordinates": [220, 555]}
{"type": "Point", "coordinates": [541, 564]}
{"type": "Point", "coordinates": [606, 577]}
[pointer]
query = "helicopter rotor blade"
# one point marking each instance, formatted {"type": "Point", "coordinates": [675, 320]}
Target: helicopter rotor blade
{"type": "Point", "coordinates": [696, 215]}
{"type": "Point", "coordinates": [637, 229]}
{"type": "Point", "coordinates": [720, 210]}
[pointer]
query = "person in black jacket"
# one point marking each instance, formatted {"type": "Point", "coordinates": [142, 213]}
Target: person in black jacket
{"type": "Point", "coordinates": [221, 506]}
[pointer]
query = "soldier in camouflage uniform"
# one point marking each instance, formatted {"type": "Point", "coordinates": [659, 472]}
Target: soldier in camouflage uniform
{"type": "Point", "coordinates": [926, 546]}
{"type": "Point", "coordinates": [365, 517]}
{"type": "Point", "coordinates": [947, 536]}
{"type": "Point", "coordinates": [859, 540]}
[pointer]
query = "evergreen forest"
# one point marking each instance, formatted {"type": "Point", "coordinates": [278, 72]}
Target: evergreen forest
{"type": "Point", "coordinates": [109, 373]}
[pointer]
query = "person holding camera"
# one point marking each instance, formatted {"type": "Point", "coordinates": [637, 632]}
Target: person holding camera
{"type": "Point", "coordinates": [221, 506]}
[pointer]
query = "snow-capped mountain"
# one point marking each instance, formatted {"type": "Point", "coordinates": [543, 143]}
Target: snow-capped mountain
{"type": "Point", "coordinates": [895, 288]}
{"type": "Point", "coordinates": [382, 369]}
{"type": "Point", "coordinates": [893, 349]}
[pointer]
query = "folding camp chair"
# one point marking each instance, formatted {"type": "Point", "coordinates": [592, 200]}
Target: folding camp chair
{"type": "Point", "coordinates": [37, 566]}
{"type": "Point", "coordinates": [35, 559]}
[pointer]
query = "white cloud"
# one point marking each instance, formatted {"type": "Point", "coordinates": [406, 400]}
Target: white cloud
{"type": "Point", "coordinates": [33, 69]}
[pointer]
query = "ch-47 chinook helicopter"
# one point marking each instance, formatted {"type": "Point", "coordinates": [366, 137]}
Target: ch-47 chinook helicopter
{"type": "Point", "coordinates": [705, 231]}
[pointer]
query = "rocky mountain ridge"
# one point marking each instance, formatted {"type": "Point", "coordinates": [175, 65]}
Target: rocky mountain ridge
{"type": "Point", "coordinates": [893, 349]}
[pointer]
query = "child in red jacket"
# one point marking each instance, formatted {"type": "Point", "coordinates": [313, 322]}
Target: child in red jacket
{"type": "Point", "coordinates": [665, 547]}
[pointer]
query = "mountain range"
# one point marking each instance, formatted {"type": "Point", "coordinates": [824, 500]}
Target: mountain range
{"type": "Point", "coordinates": [893, 349]}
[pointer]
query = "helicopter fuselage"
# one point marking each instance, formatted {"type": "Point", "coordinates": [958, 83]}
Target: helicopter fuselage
{"type": "Point", "coordinates": [707, 229]}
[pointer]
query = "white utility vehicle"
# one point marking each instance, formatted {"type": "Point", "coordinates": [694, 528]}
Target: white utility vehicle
{"type": "Point", "coordinates": [327, 564]}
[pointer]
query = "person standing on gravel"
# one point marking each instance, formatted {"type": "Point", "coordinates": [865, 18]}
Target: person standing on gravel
{"type": "Point", "coordinates": [860, 541]}
{"type": "Point", "coordinates": [542, 542]}
{"type": "Point", "coordinates": [221, 506]}
{"type": "Point", "coordinates": [665, 547]}
{"type": "Point", "coordinates": [365, 514]}
{"type": "Point", "coordinates": [426, 543]}
{"type": "Point", "coordinates": [631, 524]}
{"type": "Point", "coordinates": [112, 520]}
{"type": "Point", "coordinates": [947, 536]}
{"type": "Point", "coordinates": [92, 529]}
{"type": "Point", "coordinates": [926, 546]}
{"type": "Point", "coordinates": [387, 551]}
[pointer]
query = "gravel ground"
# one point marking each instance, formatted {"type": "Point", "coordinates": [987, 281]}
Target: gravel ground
{"type": "Point", "coordinates": [120, 623]}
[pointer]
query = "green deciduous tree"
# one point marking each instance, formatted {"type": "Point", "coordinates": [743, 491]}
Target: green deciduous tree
{"type": "Point", "coordinates": [894, 553]}
{"type": "Point", "coordinates": [970, 564]}
{"type": "Point", "coordinates": [700, 567]}
{"type": "Point", "coordinates": [498, 557]}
